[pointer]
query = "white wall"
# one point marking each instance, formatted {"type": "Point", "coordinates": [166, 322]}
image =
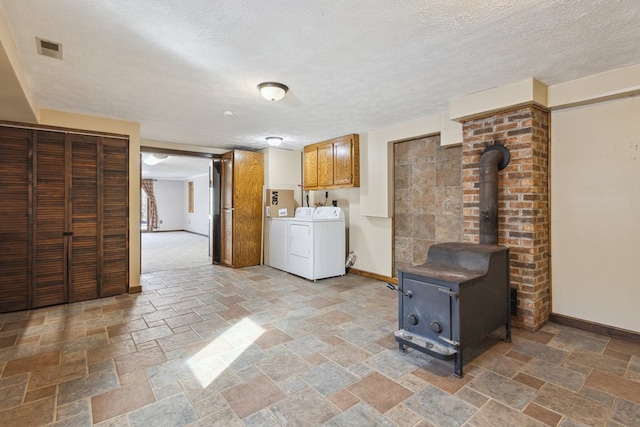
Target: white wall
{"type": "Point", "coordinates": [169, 195]}
{"type": "Point", "coordinates": [595, 212]}
{"type": "Point", "coordinates": [198, 220]}
{"type": "Point", "coordinates": [283, 171]}
{"type": "Point", "coordinates": [172, 200]}
{"type": "Point", "coordinates": [370, 225]}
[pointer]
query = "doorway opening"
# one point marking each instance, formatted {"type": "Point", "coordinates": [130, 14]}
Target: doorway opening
{"type": "Point", "coordinates": [144, 211]}
{"type": "Point", "coordinates": [177, 215]}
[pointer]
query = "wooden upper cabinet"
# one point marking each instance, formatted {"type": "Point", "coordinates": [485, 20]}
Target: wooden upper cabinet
{"type": "Point", "coordinates": [310, 166]}
{"type": "Point", "coordinates": [332, 164]}
{"type": "Point", "coordinates": [325, 165]}
{"type": "Point", "coordinates": [346, 161]}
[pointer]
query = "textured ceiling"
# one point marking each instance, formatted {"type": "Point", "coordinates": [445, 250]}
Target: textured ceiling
{"type": "Point", "coordinates": [175, 167]}
{"type": "Point", "coordinates": [352, 66]}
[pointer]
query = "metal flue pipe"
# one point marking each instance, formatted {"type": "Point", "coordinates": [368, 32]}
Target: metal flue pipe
{"type": "Point", "coordinates": [494, 158]}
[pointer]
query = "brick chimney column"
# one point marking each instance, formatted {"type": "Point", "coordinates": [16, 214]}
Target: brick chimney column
{"type": "Point", "coordinates": [523, 202]}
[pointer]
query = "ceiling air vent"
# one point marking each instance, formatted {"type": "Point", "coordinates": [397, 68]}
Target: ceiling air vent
{"type": "Point", "coordinates": [49, 48]}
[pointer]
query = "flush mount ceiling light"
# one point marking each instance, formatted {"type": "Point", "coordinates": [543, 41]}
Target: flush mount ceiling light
{"type": "Point", "coordinates": [155, 158]}
{"type": "Point", "coordinates": [274, 141]}
{"type": "Point", "coordinates": [273, 91]}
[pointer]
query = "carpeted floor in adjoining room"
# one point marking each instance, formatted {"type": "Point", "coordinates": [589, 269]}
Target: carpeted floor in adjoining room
{"type": "Point", "coordinates": [168, 250]}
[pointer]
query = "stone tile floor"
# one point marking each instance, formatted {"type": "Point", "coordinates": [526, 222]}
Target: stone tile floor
{"type": "Point", "coordinates": [212, 346]}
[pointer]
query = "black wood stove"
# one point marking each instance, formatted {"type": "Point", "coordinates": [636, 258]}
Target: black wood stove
{"type": "Point", "coordinates": [455, 299]}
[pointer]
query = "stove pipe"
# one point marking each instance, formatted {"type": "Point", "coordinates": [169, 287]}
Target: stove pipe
{"type": "Point", "coordinates": [493, 159]}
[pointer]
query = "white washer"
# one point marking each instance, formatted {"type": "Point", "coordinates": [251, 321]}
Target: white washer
{"type": "Point", "coordinates": [317, 243]}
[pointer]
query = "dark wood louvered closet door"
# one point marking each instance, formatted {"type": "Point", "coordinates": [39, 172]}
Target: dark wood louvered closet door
{"type": "Point", "coordinates": [50, 219]}
{"type": "Point", "coordinates": [115, 221]}
{"type": "Point", "coordinates": [15, 232]}
{"type": "Point", "coordinates": [50, 199]}
{"type": "Point", "coordinates": [64, 217]}
{"type": "Point", "coordinates": [84, 207]}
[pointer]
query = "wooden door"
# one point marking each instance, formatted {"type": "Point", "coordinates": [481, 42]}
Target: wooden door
{"type": "Point", "coordinates": [325, 165]}
{"type": "Point", "coordinates": [227, 213]}
{"type": "Point", "coordinates": [248, 180]}
{"type": "Point", "coordinates": [64, 233]}
{"type": "Point", "coordinates": [310, 167]}
{"type": "Point", "coordinates": [113, 240]}
{"type": "Point", "coordinates": [15, 230]}
{"type": "Point", "coordinates": [50, 219]}
{"type": "Point", "coordinates": [343, 161]}
{"type": "Point", "coordinates": [84, 271]}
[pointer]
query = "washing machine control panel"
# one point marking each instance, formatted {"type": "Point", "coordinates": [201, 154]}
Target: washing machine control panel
{"type": "Point", "coordinates": [328, 212]}
{"type": "Point", "coordinates": [303, 212]}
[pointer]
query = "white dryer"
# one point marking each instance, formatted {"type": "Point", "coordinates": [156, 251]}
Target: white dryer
{"type": "Point", "coordinates": [317, 243]}
{"type": "Point", "coordinates": [278, 229]}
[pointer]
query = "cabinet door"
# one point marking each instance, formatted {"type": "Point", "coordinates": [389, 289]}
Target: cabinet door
{"type": "Point", "coordinates": [114, 229]}
{"type": "Point", "coordinates": [51, 220]}
{"type": "Point", "coordinates": [310, 167]}
{"type": "Point", "coordinates": [15, 207]}
{"type": "Point", "coordinates": [343, 161]}
{"type": "Point", "coordinates": [226, 215]}
{"type": "Point", "coordinates": [84, 218]}
{"type": "Point", "coordinates": [248, 180]}
{"type": "Point", "coordinates": [325, 164]}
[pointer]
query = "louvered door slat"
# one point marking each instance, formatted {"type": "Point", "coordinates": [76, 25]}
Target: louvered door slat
{"type": "Point", "coordinates": [14, 220]}
{"type": "Point", "coordinates": [84, 218]}
{"type": "Point", "coordinates": [50, 190]}
{"type": "Point", "coordinates": [115, 217]}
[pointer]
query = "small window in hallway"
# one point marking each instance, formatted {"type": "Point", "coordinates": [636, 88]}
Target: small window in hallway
{"type": "Point", "coordinates": [191, 197]}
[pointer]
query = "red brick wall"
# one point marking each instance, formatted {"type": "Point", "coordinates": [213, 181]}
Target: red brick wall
{"type": "Point", "coordinates": [523, 202]}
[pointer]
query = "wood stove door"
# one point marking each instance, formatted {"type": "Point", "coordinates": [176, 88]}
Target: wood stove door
{"type": "Point", "coordinates": [428, 311]}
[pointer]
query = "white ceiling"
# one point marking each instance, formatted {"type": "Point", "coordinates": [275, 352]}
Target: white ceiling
{"type": "Point", "coordinates": [352, 66]}
{"type": "Point", "coordinates": [175, 167]}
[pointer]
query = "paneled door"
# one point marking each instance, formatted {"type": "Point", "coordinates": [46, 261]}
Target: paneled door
{"type": "Point", "coordinates": [242, 178]}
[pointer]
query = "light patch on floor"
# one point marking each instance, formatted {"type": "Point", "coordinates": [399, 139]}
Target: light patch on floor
{"type": "Point", "coordinates": [210, 362]}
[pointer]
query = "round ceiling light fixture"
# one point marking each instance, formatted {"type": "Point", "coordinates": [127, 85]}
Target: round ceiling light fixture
{"type": "Point", "coordinates": [272, 91]}
{"type": "Point", "coordinates": [155, 158]}
{"type": "Point", "coordinates": [274, 141]}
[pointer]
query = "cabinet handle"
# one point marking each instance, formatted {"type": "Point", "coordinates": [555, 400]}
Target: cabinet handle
{"type": "Point", "coordinates": [67, 233]}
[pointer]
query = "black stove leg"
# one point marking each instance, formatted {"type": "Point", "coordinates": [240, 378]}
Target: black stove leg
{"type": "Point", "coordinates": [507, 330]}
{"type": "Point", "coordinates": [457, 370]}
{"type": "Point", "coordinates": [402, 347]}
